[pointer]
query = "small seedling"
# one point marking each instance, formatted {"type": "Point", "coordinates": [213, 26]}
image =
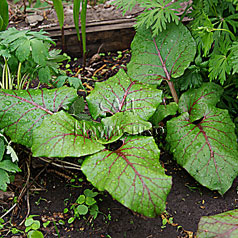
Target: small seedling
{"type": "Point", "coordinates": [84, 204]}
{"type": "Point", "coordinates": [32, 227]}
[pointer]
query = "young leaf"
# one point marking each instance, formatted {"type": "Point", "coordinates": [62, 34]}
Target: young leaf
{"type": "Point", "coordinates": [203, 139]}
{"type": "Point", "coordinates": [163, 111]}
{"type": "Point", "coordinates": [161, 57]}
{"type": "Point", "coordinates": [23, 110]}
{"type": "Point", "coordinates": [132, 174]}
{"type": "Point", "coordinates": [121, 94]}
{"type": "Point", "coordinates": [221, 225]}
{"type": "Point", "coordinates": [122, 122]}
{"type": "Point", "coordinates": [61, 135]}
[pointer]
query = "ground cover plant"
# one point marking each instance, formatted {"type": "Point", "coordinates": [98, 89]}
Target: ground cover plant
{"type": "Point", "coordinates": [118, 146]}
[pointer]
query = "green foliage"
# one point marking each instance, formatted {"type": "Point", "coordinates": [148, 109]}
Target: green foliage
{"type": "Point", "coordinates": [219, 225]}
{"type": "Point", "coordinates": [120, 93]}
{"type": "Point", "coordinates": [203, 138]}
{"type": "Point", "coordinates": [162, 57]}
{"type": "Point", "coordinates": [22, 111]}
{"type": "Point", "coordinates": [234, 58]}
{"type": "Point", "coordinates": [4, 15]}
{"type": "Point", "coordinates": [58, 6]}
{"type": "Point", "coordinates": [214, 27]}
{"type": "Point", "coordinates": [132, 174]}
{"type": "Point", "coordinates": [85, 204]}
{"type": "Point", "coordinates": [8, 159]}
{"type": "Point", "coordinates": [32, 227]}
{"type": "Point", "coordinates": [27, 54]}
{"type": "Point", "coordinates": [157, 13]}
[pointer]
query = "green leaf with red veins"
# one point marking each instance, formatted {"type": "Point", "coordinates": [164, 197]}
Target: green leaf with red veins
{"type": "Point", "coordinates": [21, 111]}
{"type": "Point", "coordinates": [132, 174]}
{"type": "Point", "coordinates": [205, 147]}
{"type": "Point", "coordinates": [196, 101]}
{"type": "Point", "coordinates": [120, 123]}
{"type": "Point", "coordinates": [61, 135]}
{"type": "Point", "coordinates": [162, 57]}
{"type": "Point", "coordinates": [221, 225]}
{"type": "Point", "coordinates": [121, 94]}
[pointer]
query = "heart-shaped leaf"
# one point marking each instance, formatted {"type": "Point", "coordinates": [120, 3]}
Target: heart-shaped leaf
{"type": "Point", "coordinates": [132, 174]}
{"type": "Point", "coordinates": [221, 225]}
{"type": "Point", "coordinates": [196, 101]}
{"type": "Point", "coordinates": [122, 122]}
{"type": "Point", "coordinates": [162, 57]}
{"type": "Point", "coordinates": [121, 94]}
{"type": "Point", "coordinates": [61, 135]}
{"type": "Point", "coordinates": [23, 110]}
{"type": "Point", "coordinates": [206, 147]}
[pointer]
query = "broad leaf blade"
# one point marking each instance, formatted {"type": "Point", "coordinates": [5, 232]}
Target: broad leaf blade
{"type": "Point", "coordinates": [121, 94]}
{"type": "Point", "coordinates": [162, 57]}
{"type": "Point", "coordinates": [132, 175]}
{"type": "Point", "coordinates": [221, 225]}
{"type": "Point", "coordinates": [23, 110]}
{"type": "Point", "coordinates": [196, 101]}
{"type": "Point", "coordinates": [39, 51]}
{"type": "Point", "coordinates": [207, 148]}
{"type": "Point", "coordinates": [61, 135]}
{"type": "Point", "coordinates": [122, 122]}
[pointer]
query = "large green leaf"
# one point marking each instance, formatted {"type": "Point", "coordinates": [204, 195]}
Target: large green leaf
{"type": "Point", "coordinates": [4, 14]}
{"type": "Point", "coordinates": [196, 101]}
{"type": "Point", "coordinates": [203, 140]}
{"type": "Point", "coordinates": [162, 57]}
{"type": "Point", "coordinates": [39, 51]}
{"type": "Point", "coordinates": [122, 122]}
{"type": "Point", "coordinates": [120, 94]}
{"type": "Point", "coordinates": [23, 110]}
{"type": "Point", "coordinates": [23, 51]}
{"type": "Point", "coordinates": [61, 135]}
{"type": "Point", "coordinates": [224, 225]}
{"type": "Point", "coordinates": [132, 174]}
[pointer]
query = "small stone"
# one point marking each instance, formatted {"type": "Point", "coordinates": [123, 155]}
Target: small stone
{"type": "Point", "coordinates": [33, 20]}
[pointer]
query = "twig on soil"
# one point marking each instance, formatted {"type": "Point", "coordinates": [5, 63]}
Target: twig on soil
{"type": "Point", "coordinates": [9, 210]}
{"type": "Point", "coordinates": [71, 165]}
{"type": "Point", "coordinates": [99, 69]}
{"type": "Point", "coordinates": [27, 201]}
